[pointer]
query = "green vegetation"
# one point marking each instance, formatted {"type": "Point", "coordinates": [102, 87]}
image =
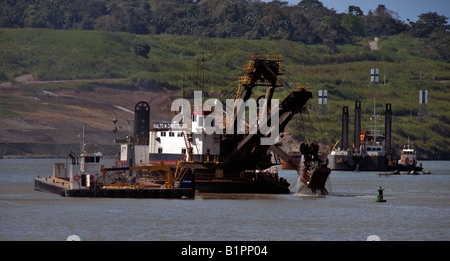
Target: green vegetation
{"type": "Point", "coordinates": [5, 105]}
{"type": "Point", "coordinates": [186, 45]}
{"type": "Point", "coordinates": [174, 62]}
{"type": "Point", "coordinates": [308, 21]}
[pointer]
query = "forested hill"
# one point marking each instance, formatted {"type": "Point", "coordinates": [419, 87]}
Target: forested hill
{"type": "Point", "coordinates": [65, 62]}
{"type": "Point", "coordinates": [308, 21]}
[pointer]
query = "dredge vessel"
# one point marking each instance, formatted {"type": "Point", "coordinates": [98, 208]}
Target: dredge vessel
{"type": "Point", "coordinates": [236, 162]}
{"type": "Point", "coordinates": [372, 148]}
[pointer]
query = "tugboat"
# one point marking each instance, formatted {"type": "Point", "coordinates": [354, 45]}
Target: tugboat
{"type": "Point", "coordinates": [408, 160]}
{"type": "Point", "coordinates": [82, 173]}
{"type": "Point", "coordinates": [86, 177]}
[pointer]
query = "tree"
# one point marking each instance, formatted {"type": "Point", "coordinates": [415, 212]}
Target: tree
{"type": "Point", "coordinates": [303, 30]}
{"type": "Point", "coordinates": [353, 23]}
{"type": "Point", "coordinates": [314, 8]}
{"type": "Point", "coordinates": [433, 28]}
{"type": "Point", "coordinates": [383, 22]}
{"type": "Point", "coordinates": [140, 48]}
{"type": "Point", "coordinates": [429, 23]}
{"type": "Point", "coordinates": [355, 10]}
{"type": "Point", "coordinates": [33, 18]}
{"type": "Point", "coordinates": [309, 21]}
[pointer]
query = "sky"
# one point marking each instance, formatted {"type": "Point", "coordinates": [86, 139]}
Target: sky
{"type": "Point", "coordinates": [406, 9]}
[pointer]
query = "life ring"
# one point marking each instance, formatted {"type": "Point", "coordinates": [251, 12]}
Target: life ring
{"type": "Point", "coordinates": [76, 177]}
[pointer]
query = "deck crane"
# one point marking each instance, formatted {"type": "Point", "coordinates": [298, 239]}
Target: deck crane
{"type": "Point", "coordinates": [244, 151]}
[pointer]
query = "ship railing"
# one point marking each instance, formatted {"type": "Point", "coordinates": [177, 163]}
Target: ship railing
{"type": "Point", "coordinates": [141, 141]}
{"type": "Point", "coordinates": [266, 56]}
{"type": "Point", "coordinates": [210, 176]}
{"type": "Point", "coordinates": [204, 176]}
{"type": "Point", "coordinates": [206, 158]}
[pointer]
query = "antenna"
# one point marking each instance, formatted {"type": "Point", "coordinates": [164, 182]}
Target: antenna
{"type": "Point", "coordinates": [115, 128]}
{"type": "Point", "coordinates": [376, 120]}
{"type": "Point", "coordinates": [83, 140]}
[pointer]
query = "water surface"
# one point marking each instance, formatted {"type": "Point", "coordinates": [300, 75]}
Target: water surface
{"type": "Point", "coordinates": [417, 208]}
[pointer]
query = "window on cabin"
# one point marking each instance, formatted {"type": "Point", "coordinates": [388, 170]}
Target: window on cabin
{"type": "Point", "coordinates": [171, 134]}
{"type": "Point", "coordinates": [160, 150]}
{"type": "Point", "coordinates": [180, 134]}
{"type": "Point", "coordinates": [163, 134]}
{"type": "Point", "coordinates": [183, 151]}
{"type": "Point", "coordinates": [194, 118]}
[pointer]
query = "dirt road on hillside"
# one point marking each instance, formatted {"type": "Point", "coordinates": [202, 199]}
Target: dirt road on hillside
{"type": "Point", "coordinates": [56, 116]}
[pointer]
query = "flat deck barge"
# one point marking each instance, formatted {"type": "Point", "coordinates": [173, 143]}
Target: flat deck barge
{"type": "Point", "coordinates": [62, 187]}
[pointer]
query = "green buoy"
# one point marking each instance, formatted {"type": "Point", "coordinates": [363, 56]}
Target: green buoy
{"type": "Point", "coordinates": [380, 196]}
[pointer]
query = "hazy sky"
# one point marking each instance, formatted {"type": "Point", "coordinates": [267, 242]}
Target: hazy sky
{"type": "Point", "coordinates": [405, 8]}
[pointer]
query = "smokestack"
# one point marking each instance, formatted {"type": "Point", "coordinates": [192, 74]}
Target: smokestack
{"type": "Point", "coordinates": [141, 123]}
{"type": "Point", "coordinates": [387, 128]}
{"type": "Point", "coordinates": [357, 140]}
{"type": "Point", "coordinates": [345, 128]}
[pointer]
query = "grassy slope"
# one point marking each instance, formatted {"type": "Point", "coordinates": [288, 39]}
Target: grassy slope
{"type": "Point", "coordinates": [173, 63]}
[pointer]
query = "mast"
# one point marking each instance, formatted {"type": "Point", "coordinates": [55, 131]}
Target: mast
{"type": "Point", "coordinates": [345, 128]}
{"type": "Point", "coordinates": [376, 122]}
{"type": "Point", "coordinates": [83, 141]}
{"type": "Point", "coordinates": [387, 129]}
{"type": "Point", "coordinates": [357, 129]}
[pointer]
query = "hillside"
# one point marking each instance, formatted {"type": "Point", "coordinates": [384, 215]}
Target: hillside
{"type": "Point", "coordinates": [93, 75]}
{"type": "Point", "coordinates": [46, 118]}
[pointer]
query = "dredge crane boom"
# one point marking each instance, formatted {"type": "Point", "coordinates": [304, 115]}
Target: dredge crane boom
{"type": "Point", "coordinates": [245, 151]}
